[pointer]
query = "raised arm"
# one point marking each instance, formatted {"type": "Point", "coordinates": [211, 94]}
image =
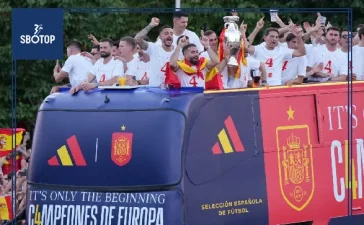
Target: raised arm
{"type": "Point", "coordinates": [175, 55]}
{"type": "Point", "coordinates": [258, 27]}
{"type": "Point", "coordinates": [60, 74]}
{"type": "Point", "coordinates": [301, 50]}
{"type": "Point", "coordinates": [247, 44]}
{"type": "Point", "coordinates": [214, 60]}
{"type": "Point", "coordinates": [139, 37]}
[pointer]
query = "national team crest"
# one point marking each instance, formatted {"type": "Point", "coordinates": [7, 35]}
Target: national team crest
{"type": "Point", "coordinates": [296, 175]}
{"type": "Point", "coordinates": [121, 147]}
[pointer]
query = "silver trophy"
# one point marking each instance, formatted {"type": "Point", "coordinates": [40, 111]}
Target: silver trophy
{"type": "Point", "coordinates": [232, 38]}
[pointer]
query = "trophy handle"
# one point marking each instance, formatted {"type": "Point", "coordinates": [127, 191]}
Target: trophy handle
{"type": "Point", "coordinates": [231, 19]}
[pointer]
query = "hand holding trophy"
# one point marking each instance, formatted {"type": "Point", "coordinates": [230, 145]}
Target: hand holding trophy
{"type": "Point", "coordinates": [232, 38]}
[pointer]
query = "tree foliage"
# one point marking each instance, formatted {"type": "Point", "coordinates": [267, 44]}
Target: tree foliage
{"type": "Point", "coordinates": [34, 78]}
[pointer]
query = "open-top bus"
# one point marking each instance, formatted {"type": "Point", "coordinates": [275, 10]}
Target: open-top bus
{"type": "Point", "coordinates": [147, 156]}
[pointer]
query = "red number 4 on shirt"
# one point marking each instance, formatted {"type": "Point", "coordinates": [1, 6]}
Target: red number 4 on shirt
{"type": "Point", "coordinates": [193, 81]}
{"type": "Point", "coordinates": [328, 66]}
{"type": "Point", "coordinates": [269, 62]}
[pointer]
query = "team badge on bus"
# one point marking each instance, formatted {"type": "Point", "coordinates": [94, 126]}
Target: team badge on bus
{"type": "Point", "coordinates": [296, 176]}
{"type": "Point", "coordinates": [121, 147]}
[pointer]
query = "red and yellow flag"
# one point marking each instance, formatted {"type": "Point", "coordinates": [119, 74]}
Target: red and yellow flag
{"type": "Point", "coordinates": [6, 148]}
{"type": "Point", "coordinates": [241, 54]}
{"type": "Point", "coordinates": [5, 208]}
{"type": "Point", "coordinates": [186, 67]}
{"type": "Point", "coordinates": [6, 139]}
{"type": "Point", "coordinates": [214, 80]}
{"type": "Point", "coordinates": [171, 78]}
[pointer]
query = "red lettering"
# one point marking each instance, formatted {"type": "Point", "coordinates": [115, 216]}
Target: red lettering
{"type": "Point", "coordinates": [284, 67]}
{"type": "Point", "coordinates": [328, 66]}
{"type": "Point", "coordinates": [145, 76]}
{"type": "Point", "coordinates": [193, 81]}
{"type": "Point", "coordinates": [270, 75]}
{"type": "Point", "coordinates": [269, 62]}
{"type": "Point", "coordinates": [102, 79]}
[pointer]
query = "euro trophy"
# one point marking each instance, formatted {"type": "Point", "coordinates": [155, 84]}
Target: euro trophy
{"type": "Point", "coordinates": [232, 38]}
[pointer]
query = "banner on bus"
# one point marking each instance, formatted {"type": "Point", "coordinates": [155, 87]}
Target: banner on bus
{"type": "Point", "coordinates": [55, 207]}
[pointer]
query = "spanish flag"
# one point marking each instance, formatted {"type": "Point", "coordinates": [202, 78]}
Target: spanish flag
{"type": "Point", "coordinates": [186, 66]}
{"type": "Point", "coordinates": [6, 140]}
{"type": "Point", "coordinates": [5, 147]}
{"type": "Point", "coordinates": [213, 80]}
{"type": "Point", "coordinates": [6, 208]}
{"type": "Point", "coordinates": [171, 78]}
{"type": "Point", "coordinates": [241, 57]}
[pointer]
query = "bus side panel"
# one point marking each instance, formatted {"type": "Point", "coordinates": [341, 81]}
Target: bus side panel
{"type": "Point", "coordinates": [225, 180]}
{"type": "Point", "coordinates": [290, 135]}
{"type": "Point", "coordinates": [307, 164]}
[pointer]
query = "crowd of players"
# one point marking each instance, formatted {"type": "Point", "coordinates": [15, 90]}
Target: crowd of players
{"type": "Point", "coordinates": [289, 55]}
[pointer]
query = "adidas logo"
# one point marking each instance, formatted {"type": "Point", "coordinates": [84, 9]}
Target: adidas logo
{"type": "Point", "coordinates": [225, 139]}
{"type": "Point", "coordinates": [64, 155]}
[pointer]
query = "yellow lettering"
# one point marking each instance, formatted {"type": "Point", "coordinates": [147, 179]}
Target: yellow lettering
{"type": "Point", "coordinates": [37, 217]}
{"type": "Point", "coordinates": [354, 183]}
{"type": "Point", "coordinates": [222, 212]}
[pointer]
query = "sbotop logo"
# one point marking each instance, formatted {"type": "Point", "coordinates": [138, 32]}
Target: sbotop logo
{"type": "Point", "coordinates": [36, 38]}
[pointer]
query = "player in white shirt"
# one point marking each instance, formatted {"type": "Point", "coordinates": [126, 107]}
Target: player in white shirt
{"type": "Point", "coordinates": [143, 65]}
{"type": "Point", "coordinates": [245, 80]}
{"type": "Point", "coordinates": [192, 58]}
{"type": "Point", "coordinates": [159, 54]}
{"type": "Point", "coordinates": [94, 55]}
{"type": "Point", "coordinates": [273, 56]}
{"type": "Point", "coordinates": [127, 48]}
{"type": "Point", "coordinates": [335, 64]}
{"type": "Point", "coordinates": [294, 69]}
{"type": "Point", "coordinates": [105, 71]}
{"type": "Point", "coordinates": [115, 50]}
{"type": "Point", "coordinates": [344, 47]}
{"type": "Point", "coordinates": [213, 41]}
{"type": "Point", "coordinates": [344, 41]}
{"type": "Point", "coordinates": [358, 56]}
{"type": "Point", "coordinates": [76, 66]}
{"type": "Point", "coordinates": [180, 23]}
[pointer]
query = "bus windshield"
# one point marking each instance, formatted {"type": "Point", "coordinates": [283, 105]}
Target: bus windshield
{"type": "Point", "coordinates": [108, 148]}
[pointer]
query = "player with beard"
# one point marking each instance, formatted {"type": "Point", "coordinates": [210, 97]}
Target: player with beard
{"type": "Point", "coordinates": [191, 71]}
{"type": "Point", "coordinates": [335, 64]}
{"type": "Point", "coordinates": [159, 55]}
{"type": "Point", "coordinates": [106, 70]}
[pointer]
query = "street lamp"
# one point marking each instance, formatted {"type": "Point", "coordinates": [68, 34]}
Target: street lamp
{"type": "Point", "coordinates": [178, 5]}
